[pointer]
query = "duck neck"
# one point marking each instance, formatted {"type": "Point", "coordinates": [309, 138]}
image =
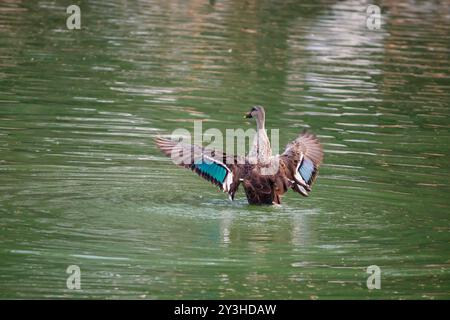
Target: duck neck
{"type": "Point", "coordinates": [260, 123]}
{"type": "Point", "coordinates": [261, 145]}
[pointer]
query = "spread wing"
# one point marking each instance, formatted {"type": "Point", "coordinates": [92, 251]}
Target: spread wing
{"type": "Point", "coordinates": [302, 159]}
{"type": "Point", "coordinates": [212, 165]}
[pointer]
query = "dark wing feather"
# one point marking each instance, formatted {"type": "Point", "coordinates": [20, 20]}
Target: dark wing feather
{"type": "Point", "coordinates": [212, 165]}
{"type": "Point", "coordinates": [302, 159]}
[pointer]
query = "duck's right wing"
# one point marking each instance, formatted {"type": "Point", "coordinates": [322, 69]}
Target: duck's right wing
{"type": "Point", "coordinates": [302, 159]}
{"type": "Point", "coordinates": [212, 165]}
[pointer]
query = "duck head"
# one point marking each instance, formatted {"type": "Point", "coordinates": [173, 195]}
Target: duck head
{"type": "Point", "coordinates": [258, 113]}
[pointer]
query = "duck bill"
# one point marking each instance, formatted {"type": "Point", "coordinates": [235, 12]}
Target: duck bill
{"type": "Point", "coordinates": [248, 115]}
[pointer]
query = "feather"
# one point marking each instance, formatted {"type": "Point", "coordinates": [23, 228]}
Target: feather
{"type": "Point", "coordinates": [302, 158]}
{"type": "Point", "coordinates": [212, 165]}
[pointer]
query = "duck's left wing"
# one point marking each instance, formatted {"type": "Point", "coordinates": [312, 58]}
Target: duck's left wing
{"type": "Point", "coordinates": [302, 159]}
{"type": "Point", "coordinates": [212, 165]}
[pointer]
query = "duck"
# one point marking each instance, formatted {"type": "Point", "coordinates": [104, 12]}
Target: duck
{"type": "Point", "coordinates": [265, 177]}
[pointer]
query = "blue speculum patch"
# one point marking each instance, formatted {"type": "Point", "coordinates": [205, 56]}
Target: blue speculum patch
{"type": "Point", "coordinates": [212, 169]}
{"type": "Point", "coordinates": [306, 170]}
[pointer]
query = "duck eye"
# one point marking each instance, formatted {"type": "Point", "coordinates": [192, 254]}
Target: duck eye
{"type": "Point", "coordinates": [253, 109]}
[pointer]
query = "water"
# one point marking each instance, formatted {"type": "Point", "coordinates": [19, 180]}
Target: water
{"type": "Point", "coordinates": [83, 184]}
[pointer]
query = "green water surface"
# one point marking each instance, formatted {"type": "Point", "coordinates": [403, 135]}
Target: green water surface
{"type": "Point", "coordinates": [81, 182]}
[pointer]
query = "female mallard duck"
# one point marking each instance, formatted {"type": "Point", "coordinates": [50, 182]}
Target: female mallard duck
{"type": "Point", "coordinates": [265, 177]}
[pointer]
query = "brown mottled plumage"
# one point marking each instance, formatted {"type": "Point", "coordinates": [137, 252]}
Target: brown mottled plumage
{"type": "Point", "coordinates": [265, 178]}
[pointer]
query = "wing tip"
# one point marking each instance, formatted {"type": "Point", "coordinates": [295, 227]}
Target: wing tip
{"type": "Point", "coordinates": [315, 148]}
